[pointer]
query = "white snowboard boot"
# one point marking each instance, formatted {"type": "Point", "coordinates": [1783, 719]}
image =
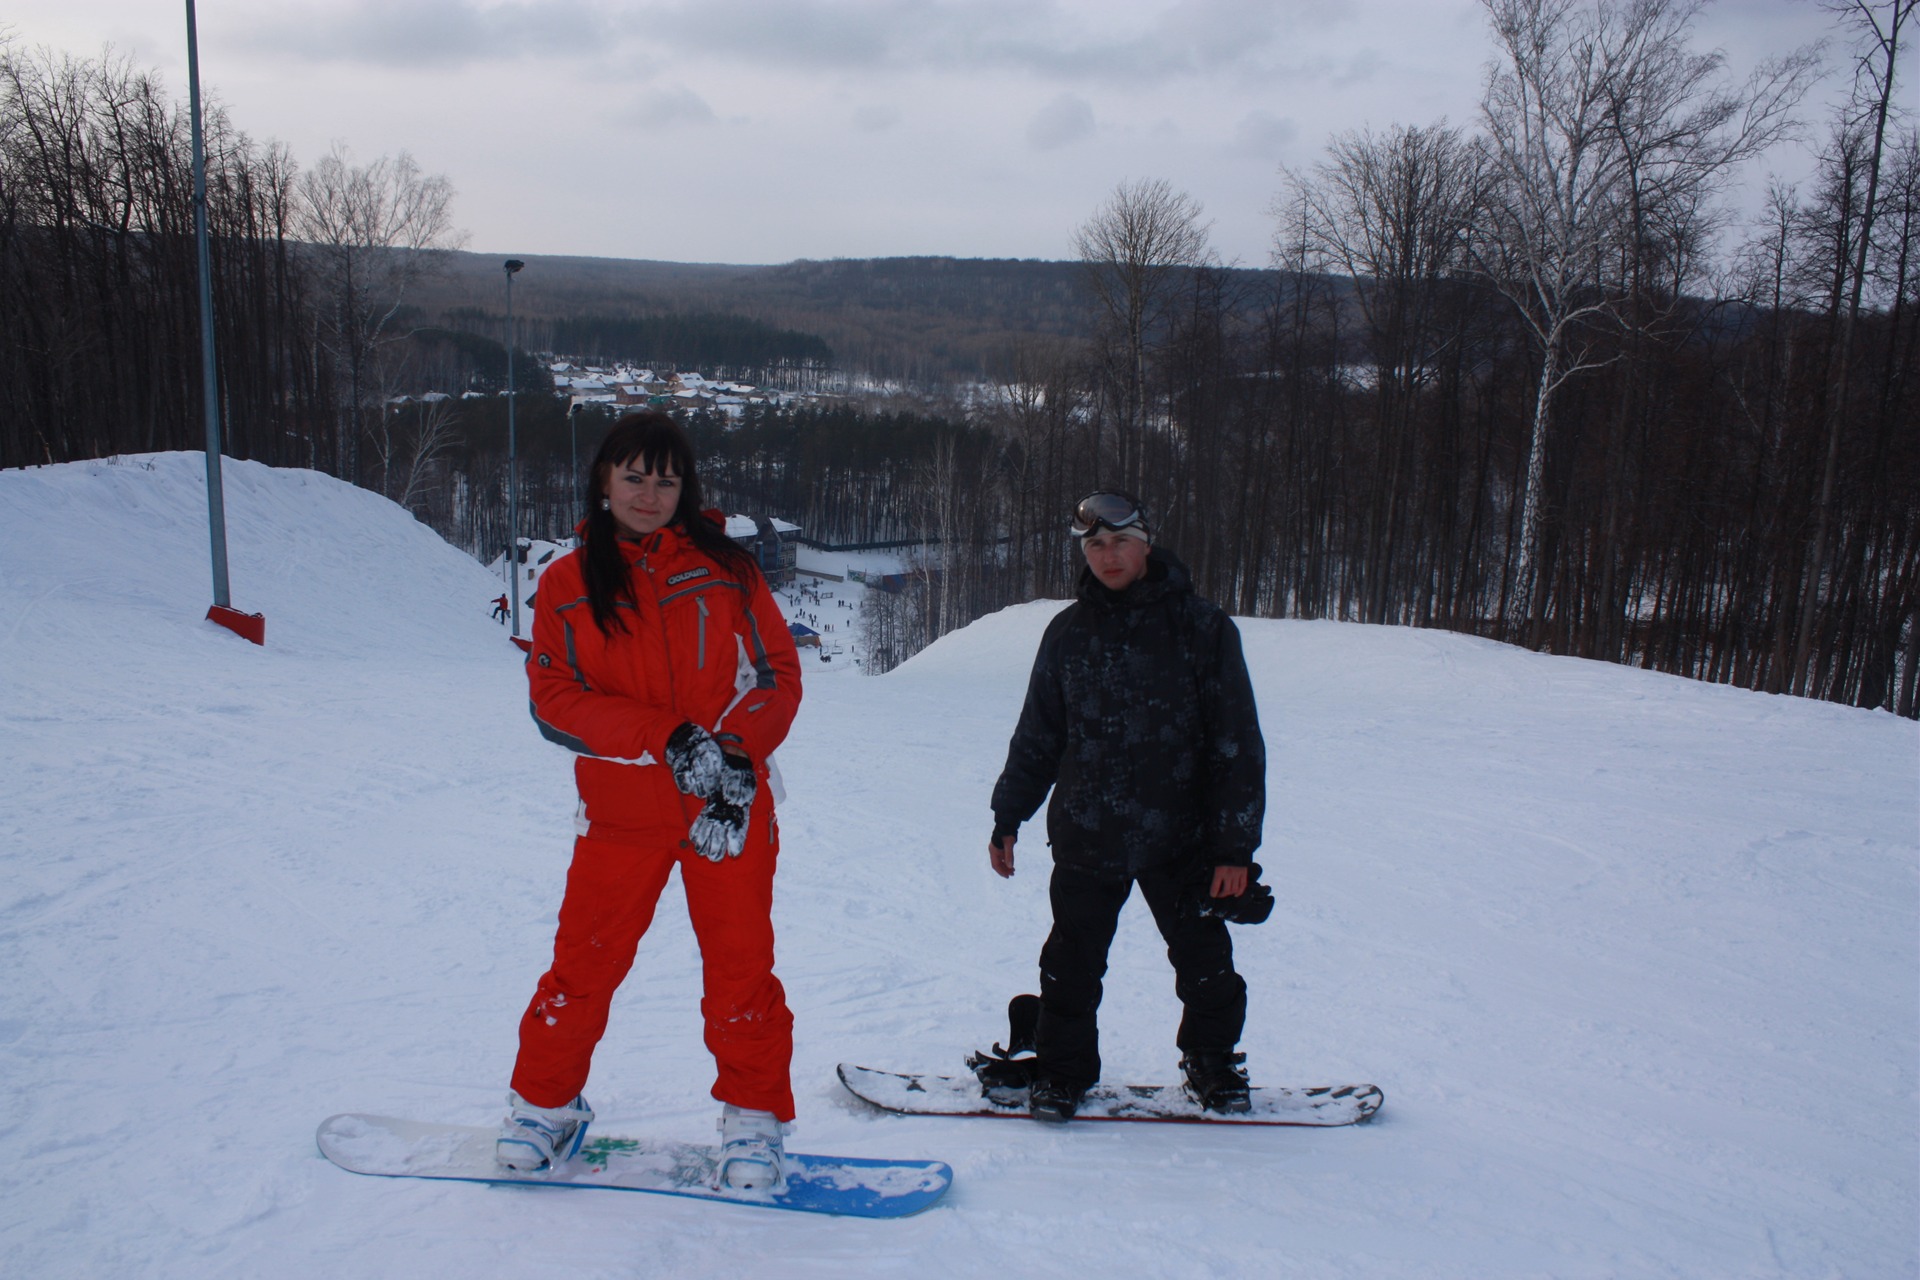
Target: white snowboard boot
{"type": "Point", "coordinates": [534, 1138]}
{"type": "Point", "coordinates": [752, 1154]}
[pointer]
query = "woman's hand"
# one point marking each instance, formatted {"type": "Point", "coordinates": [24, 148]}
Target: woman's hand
{"type": "Point", "coordinates": [696, 760]}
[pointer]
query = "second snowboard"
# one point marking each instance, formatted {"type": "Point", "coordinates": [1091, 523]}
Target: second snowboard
{"type": "Point", "coordinates": [927, 1095]}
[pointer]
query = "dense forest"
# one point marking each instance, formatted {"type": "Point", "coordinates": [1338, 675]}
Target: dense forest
{"type": "Point", "coordinates": [923, 322]}
{"type": "Point", "coordinates": [722, 346]}
{"type": "Point", "coordinates": [1523, 380]}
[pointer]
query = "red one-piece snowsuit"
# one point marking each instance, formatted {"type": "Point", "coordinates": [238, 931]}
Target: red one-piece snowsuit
{"type": "Point", "coordinates": [707, 645]}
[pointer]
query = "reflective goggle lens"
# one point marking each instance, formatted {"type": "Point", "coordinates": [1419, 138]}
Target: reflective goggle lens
{"type": "Point", "coordinates": [1109, 509]}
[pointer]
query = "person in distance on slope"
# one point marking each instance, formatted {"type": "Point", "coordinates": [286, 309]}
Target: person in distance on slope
{"type": "Point", "coordinates": [661, 660]}
{"type": "Point", "coordinates": [1140, 718]}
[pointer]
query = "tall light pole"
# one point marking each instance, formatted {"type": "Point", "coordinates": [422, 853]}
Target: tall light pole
{"type": "Point", "coordinates": [573, 425]}
{"type": "Point", "coordinates": [250, 625]}
{"type": "Point", "coordinates": [513, 454]}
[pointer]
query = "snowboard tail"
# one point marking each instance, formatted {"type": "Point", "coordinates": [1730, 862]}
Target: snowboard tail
{"type": "Point", "coordinates": [929, 1095]}
{"type": "Point", "coordinates": [388, 1147]}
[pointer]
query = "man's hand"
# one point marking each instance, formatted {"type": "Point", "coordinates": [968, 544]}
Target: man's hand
{"type": "Point", "coordinates": [1000, 853]}
{"type": "Point", "coordinates": [1228, 882]}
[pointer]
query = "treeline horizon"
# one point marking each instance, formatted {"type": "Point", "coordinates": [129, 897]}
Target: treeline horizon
{"type": "Point", "coordinates": [1618, 444]}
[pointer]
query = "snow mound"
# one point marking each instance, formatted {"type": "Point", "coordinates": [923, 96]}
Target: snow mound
{"type": "Point", "coordinates": [337, 570]}
{"type": "Point", "coordinates": [1636, 960]}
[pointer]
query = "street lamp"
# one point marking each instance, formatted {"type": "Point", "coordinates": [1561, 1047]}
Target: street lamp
{"type": "Point", "coordinates": [250, 625]}
{"type": "Point", "coordinates": [573, 427]}
{"type": "Point", "coordinates": [513, 474]}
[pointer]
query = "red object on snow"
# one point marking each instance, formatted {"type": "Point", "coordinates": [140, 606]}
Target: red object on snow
{"type": "Point", "coordinates": [526, 646]}
{"type": "Point", "coordinates": [251, 626]}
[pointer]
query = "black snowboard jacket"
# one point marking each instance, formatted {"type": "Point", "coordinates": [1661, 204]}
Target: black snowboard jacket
{"type": "Point", "coordinates": [1140, 717]}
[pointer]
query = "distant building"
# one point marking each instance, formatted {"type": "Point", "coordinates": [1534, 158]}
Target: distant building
{"type": "Point", "coordinates": [774, 545]}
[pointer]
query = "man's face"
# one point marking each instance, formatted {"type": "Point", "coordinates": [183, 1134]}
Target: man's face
{"type": "Point", "coordinates": [1116, 559]}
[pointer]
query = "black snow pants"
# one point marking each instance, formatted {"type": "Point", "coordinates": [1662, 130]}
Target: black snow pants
{"type": "Point", "coordinates": [1086, 911]}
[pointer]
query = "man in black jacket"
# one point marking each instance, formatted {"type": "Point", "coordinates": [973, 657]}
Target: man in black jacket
{"type": "Point", "coordinates": [1140, 718]}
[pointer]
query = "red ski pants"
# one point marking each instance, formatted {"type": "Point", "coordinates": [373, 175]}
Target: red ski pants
{"type": "Point", "coordinates": [612, 888]}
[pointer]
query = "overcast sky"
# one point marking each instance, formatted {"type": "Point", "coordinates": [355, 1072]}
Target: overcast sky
{"type": "Point", "coordinates": [767, 130]}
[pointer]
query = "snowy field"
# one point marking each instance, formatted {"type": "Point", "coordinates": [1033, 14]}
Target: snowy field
{"type": "Point", "coordinates": [1636, 960]}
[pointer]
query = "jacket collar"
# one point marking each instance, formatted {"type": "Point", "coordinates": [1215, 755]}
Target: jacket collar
{"type": "Point", "coordinates": [1166, 576]}
{"type": "Point", "coordinates": [668, 539]}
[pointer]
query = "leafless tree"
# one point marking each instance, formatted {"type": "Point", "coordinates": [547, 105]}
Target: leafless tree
{"type": "Point", "coordinates": [1877, 29]}
{"type": "Point", "coordinates": [98, 269]}
{"type": "Point", "coordinates": [1604, 128]}
{"type": "Point", "coordinates": [1554, 212]}
{"type": "Point", "coordinates": [432, 436]}
{"type": "Point", "coordinates": [373, 231]}
{"type": "Point", "coordinates": [1395, 212]}
{"type": "Point", "coordinates": [1134, 249]}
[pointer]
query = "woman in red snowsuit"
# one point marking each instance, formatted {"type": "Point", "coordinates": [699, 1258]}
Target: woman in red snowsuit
{"type": "Point", "coordinates": [661, 659]}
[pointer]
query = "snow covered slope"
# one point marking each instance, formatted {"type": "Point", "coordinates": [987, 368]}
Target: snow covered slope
{"type": "Point", "coordinates": [1636, 960]}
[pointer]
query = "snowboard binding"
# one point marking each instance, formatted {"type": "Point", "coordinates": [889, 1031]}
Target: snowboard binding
{"type": "Point", "coordinates": [1005, 1073]}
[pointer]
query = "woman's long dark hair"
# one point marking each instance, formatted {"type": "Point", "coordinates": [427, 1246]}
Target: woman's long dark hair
{"type": "Point", "coordinates": [653, 443]}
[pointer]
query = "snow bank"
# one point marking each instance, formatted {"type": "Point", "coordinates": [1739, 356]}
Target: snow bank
{"type": "Point", "coordinates": [1636, 960]}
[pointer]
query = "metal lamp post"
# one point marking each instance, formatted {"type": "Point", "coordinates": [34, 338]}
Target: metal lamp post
{"type": "Point", "coordinates": [250, 625]}
{"type": "Point", "coordinates": [513, 472]}
{"type": "Point", "coordinates": [573, 433]}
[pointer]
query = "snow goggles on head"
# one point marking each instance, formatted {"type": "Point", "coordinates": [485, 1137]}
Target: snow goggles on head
{"type": "Point", "coordinates": [1107, 511]}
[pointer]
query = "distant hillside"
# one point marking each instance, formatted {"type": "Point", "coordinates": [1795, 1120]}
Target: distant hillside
{"type": "Point", "coordinates": [917, 319]}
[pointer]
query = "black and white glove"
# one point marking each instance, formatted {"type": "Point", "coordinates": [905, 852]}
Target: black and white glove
{"type": "Point", "coordinates": [696, 760]}
{"type": "Point", "coordinates": [721, 829]}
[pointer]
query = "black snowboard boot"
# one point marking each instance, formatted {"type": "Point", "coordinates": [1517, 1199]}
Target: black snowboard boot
{"type": "Point", "coordinates": [1007, 1071]}
{"type": "Point", "coordinates": [1023, 1025]}
{"type": "Point", "coordinates": [1217, 1080]}
{"type": "Point", "coordinates": [1052, 1101]}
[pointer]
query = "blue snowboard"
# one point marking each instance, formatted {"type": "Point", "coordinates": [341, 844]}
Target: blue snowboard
{"type": "Point", "coordinates": [386, 1147]}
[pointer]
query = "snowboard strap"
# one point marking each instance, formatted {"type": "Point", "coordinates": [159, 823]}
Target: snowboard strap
{"type": "Point", "coordinates": [1001, 1070]}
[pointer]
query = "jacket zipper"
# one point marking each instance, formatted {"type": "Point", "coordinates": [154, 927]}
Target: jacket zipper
{"type": "Point", "coordinates": [646, 566]}
{"type": "Point", "coordinates": [702, 649]}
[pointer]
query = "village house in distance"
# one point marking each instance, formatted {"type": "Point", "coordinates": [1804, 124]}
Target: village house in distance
{"type": "Point", "coordinates": [631, 387]}
{"type": "Point", "coordinates": [625, 386]}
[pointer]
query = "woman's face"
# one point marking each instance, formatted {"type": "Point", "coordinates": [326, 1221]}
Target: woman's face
{"type": "Point", "coordinates": [641, 501]}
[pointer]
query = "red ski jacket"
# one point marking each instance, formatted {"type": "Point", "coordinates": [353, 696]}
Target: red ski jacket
{"type": "Point", "coordinates": [703, 644]}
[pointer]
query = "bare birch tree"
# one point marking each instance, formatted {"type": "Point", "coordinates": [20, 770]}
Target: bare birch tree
{"type": "Point", "coordinates": [1134, 249]}
{"type": "Point", "coordinates": [432, 437]}
{"type": "Point", "coordinates": [1395, 213]}
{"type": "Point", "coordinates": [1877, 29]}
{"type": "Point", "coordinates": [1554, 214]}
{"type": "Point", "coordinates": [1601, 120]}
{"type": "Point", "coordinates": [373, 230]}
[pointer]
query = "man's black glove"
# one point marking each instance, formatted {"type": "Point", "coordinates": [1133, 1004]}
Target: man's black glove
{"type": "Point", "coordinates": [1251, 907]}
{"type": "Point", "coordinates": [696, 760]}
{"type": "Point", "coordinates": [721, 829]}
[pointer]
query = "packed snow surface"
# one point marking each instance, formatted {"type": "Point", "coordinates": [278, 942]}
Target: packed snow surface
{"type": "Point", "coordinates": [1636, 960]}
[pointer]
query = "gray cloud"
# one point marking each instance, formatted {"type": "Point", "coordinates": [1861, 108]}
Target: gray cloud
{"type": "Point", "coordinates": [669, 108]}
{"type": "Point", "coordinates": [1263, 135]}
{"type": "Point", "coordinates": [1128, 42]}
{"type": "Point", "coordinates": [435, 33]}
{"type": "Point", "coordinates": [876, 119]}
{"type": "Point", "coordinates": [1065, 120]}
{"type": "Point", "coordinates": [1362, 66]}
{"type": "Point", "coordinates": [1152, 41]}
